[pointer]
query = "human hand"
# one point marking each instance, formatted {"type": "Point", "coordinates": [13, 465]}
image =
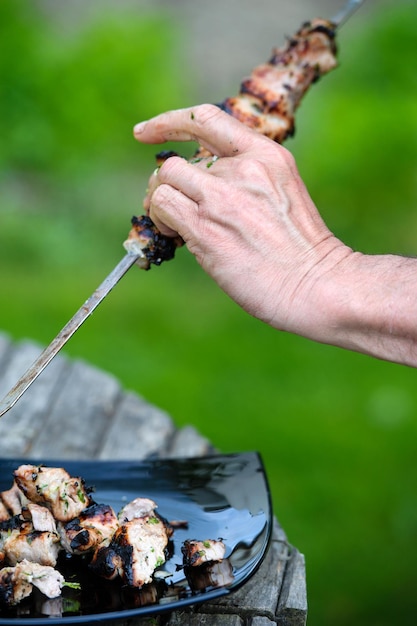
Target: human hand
{"type": "Point", "coordinates": [246, 216]}
{"type": "Point", "coordinates": [252, 225]}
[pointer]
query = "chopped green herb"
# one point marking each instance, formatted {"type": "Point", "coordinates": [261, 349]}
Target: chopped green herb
{"type": "Point", "coordinates": [206, 544]}
{"type": "Point", "coordinates": [153, 520]}
{"type": "Point", "coordinates": [72, 585]}
{"type": "Point", "coordinates": [159, 561]}
{"type": "Point", "coordinates": [213, 160]}
{"type": "Point", "coordinates": [192, 116]}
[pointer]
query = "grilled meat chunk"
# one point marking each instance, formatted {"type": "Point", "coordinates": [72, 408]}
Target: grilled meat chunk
{"type": "Point", "coordinates": [32, 535]}
{"type": "Point", "coordinates": [20, 541]}
{"type": "Point", "coordinates": [11, 502]}
{"type": "Point", "coordinates": [269, 97]}
{"type": "Point", "coordinates": [154, 247]}
{"type": "Point", "coordinates": [41, 517]}
{"type": "Point", "coordinates": [92, 529]}
{"type": "Point", "coordinates": [197, 553]}
{"type": "Point", "coordinates": [137, 548]}
{"type": "Point", "coordinates": [54, 488]}
{"type": "Point", "coordinates": [14, 586]}
{"type": "Point", "coordinates": [16, 583]}
{"type": "Point", "coordinates": [4, 513]}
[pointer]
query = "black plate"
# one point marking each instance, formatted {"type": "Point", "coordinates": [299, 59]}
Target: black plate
{"type": "Point", "coordinates": [223, 497]}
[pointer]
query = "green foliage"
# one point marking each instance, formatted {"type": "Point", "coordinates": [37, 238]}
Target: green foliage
{"type": "Point", "coordinates": [337, 431]}
{"type": "Point", "coordinates": [69, 103]}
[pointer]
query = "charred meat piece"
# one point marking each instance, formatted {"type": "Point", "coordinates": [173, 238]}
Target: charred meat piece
{"type": "Point", "coordinates": [32, 535]}
{"type": "Point", "coordinates": [136, 550]}
{"type": "Point", "coordinates": [41, 517]}
{"type": "Point", "coordinates": [197, 553]}
{"type": "Point", "coordinates": [7, 527]}
{"type": "Point", "coordinates": [92, 529]}
{"type": "Point", "coordinates": [11, 502]}
{"type": "Point", "coordinates": [14, 586]}
{"type": "Point", "coordinates": [54, 488]}
{"type": "Point", "coordinates": [269, 97]}
{"type": "Point", "coordinates": [20, 541]}
{"type": "Point", "coordinates": [16, 583]}
{"type": "Point", "coordinates": [146, 238]}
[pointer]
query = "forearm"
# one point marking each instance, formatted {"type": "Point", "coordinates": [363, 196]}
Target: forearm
{"type": "Point", "coordinates": [369, 304]}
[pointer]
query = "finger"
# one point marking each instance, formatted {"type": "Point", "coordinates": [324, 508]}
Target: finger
{"type": "Point", "coordinates": [211, 127]}
{"type": "Point", "coordinates": [180, 178]}
{"type": "Point", "coordinates": [171, 210]}
{"type": "Point", "coordinates": [192, 180]}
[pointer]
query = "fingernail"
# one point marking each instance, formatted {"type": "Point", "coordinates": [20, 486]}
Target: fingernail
{"type": "Point", "coordinates": [139, 128]}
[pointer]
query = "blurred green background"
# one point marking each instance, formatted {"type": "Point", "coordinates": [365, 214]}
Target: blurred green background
{"type": "Point", "coordinates": [337, 431]}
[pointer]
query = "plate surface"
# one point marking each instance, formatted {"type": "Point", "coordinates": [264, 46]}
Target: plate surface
{"type": "Point", "coordinates": [224, 496]}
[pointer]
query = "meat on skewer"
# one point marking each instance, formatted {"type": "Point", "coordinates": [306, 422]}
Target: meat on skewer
{"type": "Point", "coordinates": [267, 102]}
{"type": "Point", "coordinates": [269, 97]}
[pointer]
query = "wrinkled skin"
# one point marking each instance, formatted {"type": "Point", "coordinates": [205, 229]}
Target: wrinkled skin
{"type": "Point", "coordinates": [249, 220]}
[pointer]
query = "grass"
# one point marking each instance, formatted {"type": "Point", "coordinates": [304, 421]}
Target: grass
{"type": "Point", "coordinates": [337, 430]}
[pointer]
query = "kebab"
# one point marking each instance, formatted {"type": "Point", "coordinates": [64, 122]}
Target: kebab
{"type": "Point", "coordinates": [267, 103]}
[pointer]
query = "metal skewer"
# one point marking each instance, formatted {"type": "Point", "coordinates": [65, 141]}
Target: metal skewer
{"type": "Point", "coordinates": [346, 11]}
{"type": "Point", "coordinates": [69, 329]}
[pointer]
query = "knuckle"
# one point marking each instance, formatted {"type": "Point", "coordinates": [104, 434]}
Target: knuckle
{"type": "Point", "coordinates": [253, 168]}
{"type": "Point", "coordinates": [161, 195]}
{"type": "Point", "coordinates": [204, 113]}
{"type": "Point", "coordinates": [170, 165]}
